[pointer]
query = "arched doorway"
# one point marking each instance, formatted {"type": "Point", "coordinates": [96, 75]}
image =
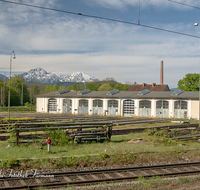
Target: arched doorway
{"type": "Point", "coordinates": [162, 109]}
{"type": "Point", "coordinates": [97, 107]}
{"type": "Point", "coordinates": [128, 108]}
{"type": "Point", "coordinates": [52, 105]}
{"type": "Point", "coordinates": [112, 107]}
{"type": "Point", "coordinates": [180, 109]}
{"type": "Point", "coordinates": [144, 108]}
{"type": "Point", "coordinates": [67, 106]}
{"type": "Point", "coordinates": [83, 107]}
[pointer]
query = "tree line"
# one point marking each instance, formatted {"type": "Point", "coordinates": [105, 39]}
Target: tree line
{"type": "Point", "coordinates": [21, 93]}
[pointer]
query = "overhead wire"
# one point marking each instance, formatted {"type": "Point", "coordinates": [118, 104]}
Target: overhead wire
{"type": "Point", "coordinates": [184, 4]}
{"type": "Point", "coordinates": [102, 18]}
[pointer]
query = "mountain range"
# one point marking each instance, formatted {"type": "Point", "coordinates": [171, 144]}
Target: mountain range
{"type": "Point", "coordinates": [42, 76]}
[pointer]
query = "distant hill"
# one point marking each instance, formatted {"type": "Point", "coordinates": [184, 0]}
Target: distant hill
{"type": "Point", "coordinates": [42, 76]}
{"type": "Point", "coordinates": [173, 89]}
{"type": "Point", "coordinates": [2, 77]}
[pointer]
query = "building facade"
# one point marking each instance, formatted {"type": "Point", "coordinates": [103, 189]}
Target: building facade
{"type": "Point", "coordinates": [165, 104]}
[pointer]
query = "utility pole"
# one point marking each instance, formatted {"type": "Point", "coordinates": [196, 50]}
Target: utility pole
{"type": "Point", "coordinates": [1, 99]}
{"type": "Point", "coordinates": [4, 91]}
{"type": "Point", "coordinates": [22, 96]}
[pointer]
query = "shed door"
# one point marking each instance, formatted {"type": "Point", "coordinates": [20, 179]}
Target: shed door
{"type": "Point", "coordinates": [112, 107]}
{"type": "Point", "coordinates": [83, 107]}
{"type": "Point", "coordinates": [52, 105]}
{"type": "Point", "coordinates": [67, 106]}
{"type": "Point", "coordinates": [97, 107]}
{"type": "Point", "coordinates": [180, 109]}
{"type": "Point", "coordinates": [145, 108]}
{"type": "Point", "coordinates": [128, 107]}
{"type": "Point", "coordinates": [162, 109]}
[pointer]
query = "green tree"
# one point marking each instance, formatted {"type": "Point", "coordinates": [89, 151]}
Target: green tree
{"type": "Point", "coordinates": [105, 87]}
{"type": "Point", "coordinates": [16, 91]}
{"type": "Point", "coordinates": [190, 82]}
{"type": "Point", "coordinates": [49, 88]}
{"type": "Point", "coordinates": [75, 87]}
{"type": "Point", "coordinates": [121, 86]}
{"type": "Point", "coordinates": [91, 87]}
{"type": "Point", "coordinates": [55, 87]}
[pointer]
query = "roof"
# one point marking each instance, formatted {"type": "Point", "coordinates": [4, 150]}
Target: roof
{"type": "Point", "coordinates": [187, 95]}
{"type": "Point", "coordinates": [150, 87]}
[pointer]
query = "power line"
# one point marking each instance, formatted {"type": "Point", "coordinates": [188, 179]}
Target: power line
{"type": "Point", "coordinates": [102, 18]}
{"type": "Point", "coordinates": [184, 4]}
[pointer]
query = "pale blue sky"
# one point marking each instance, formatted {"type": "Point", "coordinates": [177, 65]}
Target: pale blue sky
{"type": "Point", "coordinates": [66, 43]}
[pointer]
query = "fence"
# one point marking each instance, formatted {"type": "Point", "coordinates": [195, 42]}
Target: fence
{"type": "Point", "coordinates": [96, 131]}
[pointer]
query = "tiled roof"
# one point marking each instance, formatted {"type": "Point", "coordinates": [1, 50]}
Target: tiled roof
{"type": "Point", "coordinates": [150, 87]}
{"type": "Point", "coordinates": [193, 95]}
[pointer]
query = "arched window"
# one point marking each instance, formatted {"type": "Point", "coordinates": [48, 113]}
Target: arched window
{"type": "Point", "coordinates": [180, 104]}
{"type": "Point", "coordinates": [113, 103]}
{"type": "Point", "coordinates": [52, 105]}
{"type": "Point", "coordinates": [162, 104]}
{"type": "Point", "coordinates": [145, 104]}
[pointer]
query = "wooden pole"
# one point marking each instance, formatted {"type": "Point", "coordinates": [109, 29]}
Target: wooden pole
{"type": "Point", "coordinates": [17, 138]}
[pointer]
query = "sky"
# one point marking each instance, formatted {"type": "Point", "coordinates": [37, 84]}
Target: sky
{"type": "Point", "coordinates": [66, 43]}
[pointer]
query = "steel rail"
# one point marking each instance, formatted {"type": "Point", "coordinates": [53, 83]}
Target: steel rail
{"type": "Point", "coordinates": [101, 171]}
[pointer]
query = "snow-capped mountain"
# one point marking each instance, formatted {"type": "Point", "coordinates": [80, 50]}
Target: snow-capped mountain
{"type": "Point", "coordinates": [3, 77]}
{"type": "Point", "coordinates": [79, 77]}
{"type": "Point", "coordinates": [42, 76]}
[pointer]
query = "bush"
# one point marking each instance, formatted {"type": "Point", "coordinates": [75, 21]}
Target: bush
{"type": "Point", "coordinates": [27, 104]}
{"type": "Point", "coordinates": [58, 137]}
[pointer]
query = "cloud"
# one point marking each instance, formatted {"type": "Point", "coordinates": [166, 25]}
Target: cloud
{"type": "Point", "coordinates": [124, 4]}
{"type": "Point", "coordinates": [65, 44]}
{"type": "Point", "coordinates": [121, 67]}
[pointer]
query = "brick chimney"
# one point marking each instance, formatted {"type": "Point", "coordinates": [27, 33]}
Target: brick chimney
{"type": "Point", "coordinates": [144, 84]}
{"type": "Point", "coordinates": [161, 73]}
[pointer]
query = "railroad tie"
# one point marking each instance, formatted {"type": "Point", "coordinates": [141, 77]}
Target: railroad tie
{"type": "Point", "coordinates": [121, 175]}
{"type": "Point", "coordinates": [165, 170]}
{"type": "Point", "coordinates": [133, 174]}
{"type": "Point", "coordinates": [144, 173]}
{"type": "Point", "coordinates": [176, 169]}
{"type": "Point", "coordinates": [108, 176]}
{"type": "Point", "coordinates": [95, 177]}
{"type": "Point", "coordinates": [38, 180]}
{"type": "Point", "coordinates": [23, 182]}
{"type": "Point", "coordinates": [67, 179]}
{"type": "Point", "coordinates": [196, 168]}
{"type": "Point", "coordinates": [188, 169]}
{"type": "Point", "coordinates": [52, 179]}
{"type": "Point", "coordinates": [6, 184]}
{"type": "Point", "coordinates": [156, 172]}
{"type": "Point", "coordinates": [81, 178]}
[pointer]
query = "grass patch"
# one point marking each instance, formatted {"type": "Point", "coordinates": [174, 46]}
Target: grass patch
{"type": "Point", "coordinates": [117, 145]}
{"type": "Point", "coordinates": [119, 152]}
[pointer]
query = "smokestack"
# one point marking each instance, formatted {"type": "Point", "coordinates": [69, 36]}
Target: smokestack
{"type": "Point", "coordinates": [161, 73]}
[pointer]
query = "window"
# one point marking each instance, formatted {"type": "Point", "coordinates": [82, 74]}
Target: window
{"type": "Point", "coordinates": [113, 103]}
{"type": "Point", "coordinates": [83, 103]}
{"type": "Point", "coordinates": [97, 103]}
{"type": "Point", "coordinates": [145, 104]}
{"type": "Point", "coordinates": [162, 104]}
{"type": "Point", "coordinates": [180, 105]}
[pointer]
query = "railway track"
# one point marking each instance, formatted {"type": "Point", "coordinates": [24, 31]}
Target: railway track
{"type": "Point", "coordinates": [35, 180]}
